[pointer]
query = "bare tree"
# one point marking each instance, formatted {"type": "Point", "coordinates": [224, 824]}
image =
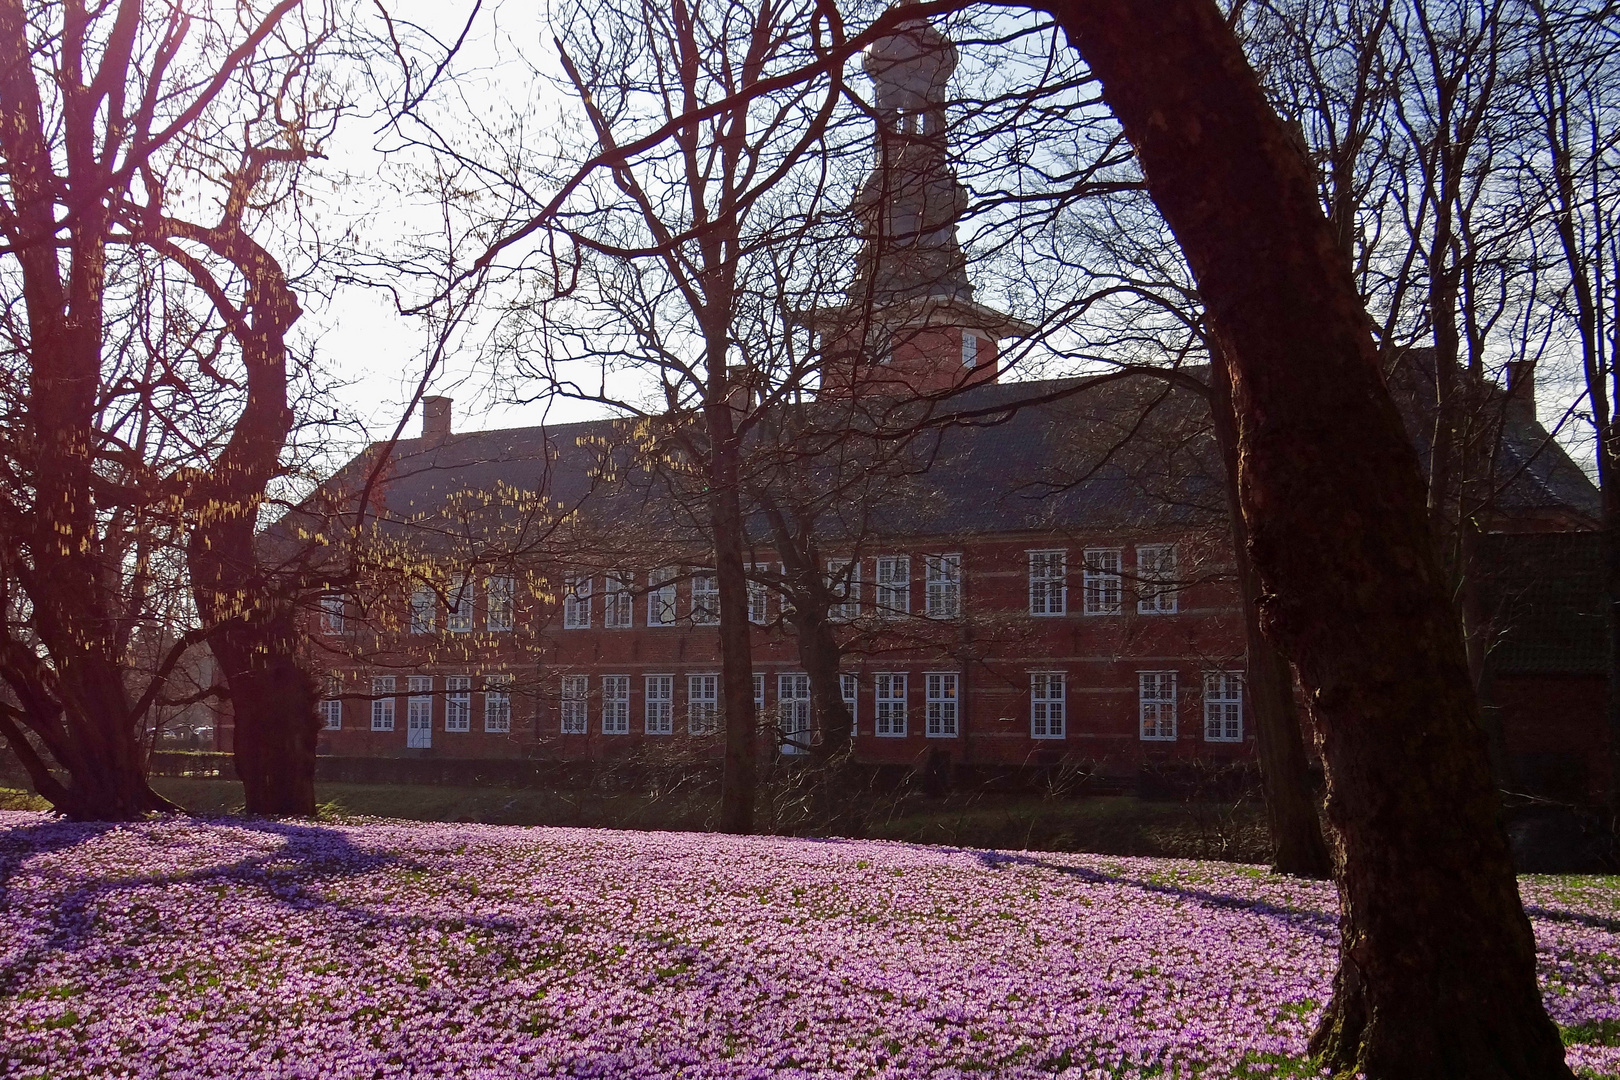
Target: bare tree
{"type": "Point", "coordinates": [114, 118]}
{"type": "Point", "coordinates": [1437, 964]}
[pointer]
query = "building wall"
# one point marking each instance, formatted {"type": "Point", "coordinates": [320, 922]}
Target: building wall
{"type": "Point", "coordinates": [992, 650]}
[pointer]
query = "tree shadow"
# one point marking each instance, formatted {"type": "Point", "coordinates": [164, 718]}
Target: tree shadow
{"type": "Point", "coordinates": [311, 855]}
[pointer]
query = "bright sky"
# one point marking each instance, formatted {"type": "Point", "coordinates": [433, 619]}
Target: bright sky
{"type": "Point", "coordinates": [375, 354]}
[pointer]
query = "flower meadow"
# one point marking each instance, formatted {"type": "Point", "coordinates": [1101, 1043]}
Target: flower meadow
{"type": "Point", "coordinates": [229, 948]}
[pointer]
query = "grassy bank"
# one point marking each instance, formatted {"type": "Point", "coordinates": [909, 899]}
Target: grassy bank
{"type": "Point", "coordinates": [1112, 825]}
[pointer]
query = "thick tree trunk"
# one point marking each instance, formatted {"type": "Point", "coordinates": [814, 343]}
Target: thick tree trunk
{"type": "Point", "coordinates": [739, 776]}
{"type": "Point", "coordinates": [1296, 826]}
{"type": "Point", "coordinates": [1437, 970]}
{"type": "Point", "coordinates": [273, 705]}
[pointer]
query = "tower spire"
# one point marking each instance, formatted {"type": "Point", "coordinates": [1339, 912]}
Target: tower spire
{"type": "Point", "coordinates": [911, 201]}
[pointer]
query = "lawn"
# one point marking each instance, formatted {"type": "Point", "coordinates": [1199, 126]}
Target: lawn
{"type": "Point", "coordinates": [1112, 824]}
{"type": "Point", "coordinates": [232, 948]}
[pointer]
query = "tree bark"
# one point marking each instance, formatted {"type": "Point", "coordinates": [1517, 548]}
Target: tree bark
{"type": "Point", "coordinates": [1437, 972]}
{"type": "Point", "coordinates": [1296, 827]}
{"type": "Point", "coordinates": [739, 775]}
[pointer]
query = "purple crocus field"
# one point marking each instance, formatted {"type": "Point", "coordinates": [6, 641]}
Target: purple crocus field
{"type": "Point", "coordinates": [228, 948]}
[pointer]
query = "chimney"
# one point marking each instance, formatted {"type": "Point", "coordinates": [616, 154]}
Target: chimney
{"type": "Point", "coordinates": [435, 419]}
{"type": "Point", "coordinates": [1521, 389]}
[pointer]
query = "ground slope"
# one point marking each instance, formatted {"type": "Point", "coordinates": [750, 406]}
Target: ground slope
{"type": "Point", "coordinates": [235, 949]}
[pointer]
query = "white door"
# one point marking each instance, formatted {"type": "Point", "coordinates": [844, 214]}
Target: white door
{"type": "Point", "coordinates": [419, 723]}
{"type": "Point", "coordinates": [793, 712]}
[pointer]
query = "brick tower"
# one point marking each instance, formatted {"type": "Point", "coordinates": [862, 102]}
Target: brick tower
{"type": "Point", "coordinates": [909, 324]}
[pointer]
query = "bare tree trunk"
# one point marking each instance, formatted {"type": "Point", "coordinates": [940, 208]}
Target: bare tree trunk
{"type": "Point", "coordinates": [1437, 973]}
{"type": "Point", "coordinates": [819, 650]}
{"type": "Point", "coordinates": [740, 770]}
{"type": "Point", "coordinates": [1296, 827]}
{"type": "Point", "coordinates": [273, 702]}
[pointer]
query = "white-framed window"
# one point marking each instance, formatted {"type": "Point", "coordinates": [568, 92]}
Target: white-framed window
{"type": "Point", "coordinates": [942, 575]}
{"type": "Point", "coordinates": [1102, 582]}
{"type": "Point", "coordinates": [1048, 713]}
{"type": "Point", "coordinates": [759, 695]}
{"type": "Point", "coordinates": [499, 593]}
{"type": "Point", "coordinates": [577, 602]}
{"type": "Point", "coordinates": [424, 610]}
{"type": "Point", "coordinates": [1223, 706]}
{"type": "Point", "coordinates": [844, 580]}
{"type": "Point", "coordinates": [1156, 579]}
{"type": "Point", "coordinates": [658, 704]}
{"type": "Point", "coordinates": [706, 600]}
{"type": "Point", "coordinates": [1156, 697]}
{"type": "Point", "coordinates": [661, 596]}
{"type": "Point", "coordinates": [889, 716]}
{"type": "Point", "coordinates": [497, 703]}
{"type": "Point", "coordinates": [702, 704]}
{"type": "Point", "coordinates": [576, 689]}
{"type": "Point", "coordinates": [458, 617]}
{"type": "Point", "coordinates": [970, 349]}
{"type": "Point", "coordinates": [419, 711]}
{"type": "Point", "coordinates": [615, 704]}
{"type": "Point", "coordinates": [1048, 588]}
{"type": "Point", "coordinates": [458, 703]}
{"type": "Point", "coordinates": [331, 709]}
{"type": "Point", "coordinates": [941, 687]}
{"type": "Point", "coordinates": [382, 703]}
{"type": "Point", "coordinates": [849, 687]}
{"type": "Point", "coordinates": [618, 603]}
{"type": "Point", "coordinates": [892, 581]}
{"type": "Point", "coordinates": [332, 608]}
{"type": "Point", "coordinates": [759, 598]}
{"type": "Point", "coordinates": [793, 712]}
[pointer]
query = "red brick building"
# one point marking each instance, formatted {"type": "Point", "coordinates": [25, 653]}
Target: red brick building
{"type": "Point", "coordinates": [1045, 591]}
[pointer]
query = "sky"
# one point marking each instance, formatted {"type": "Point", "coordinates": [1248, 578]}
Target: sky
{"type": "Point", "coordinates": [374, 355]}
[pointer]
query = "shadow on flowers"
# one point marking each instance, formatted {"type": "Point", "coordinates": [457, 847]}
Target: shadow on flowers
{"type": "Point", "coordinates": [310, 855]}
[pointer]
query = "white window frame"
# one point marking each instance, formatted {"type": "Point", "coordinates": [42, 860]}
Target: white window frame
{"type": "Point", "coordinates": [889, 704]}
{"type": "Point", "coordinates": [942, 596]}
{"type": "Point", "coordinates": [332, 707]}
{"type": "Point", "coordinates": [661, 596]}
{"type": "Point", "coordinates": [942, 718]}
{"type": "Point", "coordinates": [419, 704]}
{"type": "Point", "coordinates": [1156, 705]}
{"type": "Point", "coordinates": [577, 601]}
{"type": "Point", "coordinates": [1048, 570]}
{"type": "Point", "coordinates": [1156, 575]}
{"type": "Point", "coordinates": [333, 609]}
{"type": "Point", "coordinates": [759, 696]}
{"type": "Point", "coordinates": [970, 349]}
{"type": "Point", "coordinates": [1104, 581]}
{"type": "Point", "coordinates": [1048, 705]}
{"type": "Point", "coordinates": [615, 704]}
{"type": "Point", "coordinates": [383, 689]}
{"type": "Point", "coordinates": [849, 608]}
{"type": "Point", "coordinates": [497, 704]}
{"type": "Point", "coordinates": [500, 597]}
{"type": "Point", "coordinates": [658, 704]}
{"type": "Point", "coordinates": [574, 704]}
{"type": "Point", "coordinates": [424, 610]}
{"type": "Point", "coordinates": [891, 584]}
{"type": "Point", "coordinates": [793, 711]}
{"type": "Point", "coordinates": [1223, 706]}
{"type": "Point", "coordinates": [618, 602]}
{"type": "Point", "coordinates": [458, 703]}
{"type": "Point", "coordinates": [705, 600]}
{"type": "Point", "coordinates": [458, 616]}
{"type": "Point", "coordinates": [759, 598]}
{"type": "Point", "coordinates": [703, 703]}
{"type": "Point", "coordinates": [849, 688]}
